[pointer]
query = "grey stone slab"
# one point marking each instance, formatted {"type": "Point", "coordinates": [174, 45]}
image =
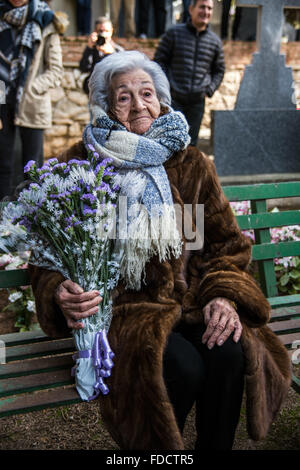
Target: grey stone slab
{"type": "Point", "coordinates": [248, 142]}
{"type": "Point", "coordinates": [267, 84]}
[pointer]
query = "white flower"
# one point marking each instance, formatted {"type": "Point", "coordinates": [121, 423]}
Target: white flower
{"type": "Point", "coordinates": [15, 296]}
{"type": "Point", "coordinates": [31, 306]}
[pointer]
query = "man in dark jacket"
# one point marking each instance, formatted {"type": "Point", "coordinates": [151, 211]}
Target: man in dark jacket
{"type": "Point", "coordinates": [192, 57]}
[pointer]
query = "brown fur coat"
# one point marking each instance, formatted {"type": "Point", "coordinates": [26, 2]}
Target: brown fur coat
{"type": "Point", "coordinates": [137, 410]}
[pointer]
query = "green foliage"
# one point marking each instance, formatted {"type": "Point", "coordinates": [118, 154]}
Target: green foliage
{"type": "Point", "coordinates": [288, 277]}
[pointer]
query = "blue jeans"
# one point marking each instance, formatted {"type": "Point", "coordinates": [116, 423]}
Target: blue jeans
{"type": "Point", "coordinates": [193, 114]}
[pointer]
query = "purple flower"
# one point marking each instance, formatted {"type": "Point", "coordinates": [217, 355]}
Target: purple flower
{"type": "Point", "coordinates": [75, 189]}
{"type": "Point", "coordinates": [52, 161]}
{"type": "Point", "coordinates": [88, 211]}
{"type": "Point", "coordinates": [89, 197]}
{"type": "Point", "coordinates": [43, 168]}
{"type": "Point", "coordinates": [29, 166]}
{"type": "Point", "coordinates": [59, 166]}
{"type": "Point", "coordinates": [44, 175]}
{"type": "Point", "coordinates": [26, 223]}
{"type": "Point", "coordinates": [34, 186]}
{"type": "Point", "coordinates": [84, 162]}
{"type": "Point", "coordinates": [102, 164]}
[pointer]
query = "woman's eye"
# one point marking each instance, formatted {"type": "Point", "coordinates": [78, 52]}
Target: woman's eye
{"type": "Point", "coordinates": [147, 94]}
{"type": "Point", "coordinates": [123, 98]}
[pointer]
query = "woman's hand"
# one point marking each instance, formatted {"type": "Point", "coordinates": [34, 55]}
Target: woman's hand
{"type": "Point", "coordinates": [221, 319]}
{"type": "Point", "coordinates": [76, 304]}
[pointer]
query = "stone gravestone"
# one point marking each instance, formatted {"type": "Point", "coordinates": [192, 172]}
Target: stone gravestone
{"type": "Point", "coordinates": [262, 134]}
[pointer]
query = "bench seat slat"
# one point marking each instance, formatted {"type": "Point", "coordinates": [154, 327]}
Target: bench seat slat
{"type": "Point", "coordinates": [38, 401]}
{"type": "Point", "coordinates": [289, 339]}
{"type": "Point", "coordinates": [268, 220]}
{"type": "Point", "coordinates": [285, 327]}
{"type": "Point", "coordinates": [284, 314]}
{"type": "Point", "coordinates": [34, 366]}
{"type": "Point", "coordinates": [46, 348]}
{"type": "Point", "coordinates": [33, 382]}
{"type": "Point", "coordinates": [14, 339]}
{"type": "Point", "coordinates": [14, 278]}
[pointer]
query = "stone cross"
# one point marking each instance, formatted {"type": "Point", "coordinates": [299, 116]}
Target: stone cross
{"type": "Point", "coordinates": [269, 22]}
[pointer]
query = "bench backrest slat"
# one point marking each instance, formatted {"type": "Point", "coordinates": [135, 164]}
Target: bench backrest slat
{"type": "Point", "coordinates": [269, 220]}
{"type": "Point", "coordinates": [262, 191]}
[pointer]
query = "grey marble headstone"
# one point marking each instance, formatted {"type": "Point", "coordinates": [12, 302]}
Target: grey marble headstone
{"type": "Point", "coordinates": [261, 135]}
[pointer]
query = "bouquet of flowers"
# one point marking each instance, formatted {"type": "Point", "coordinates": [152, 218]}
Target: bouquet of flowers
{"type": "Point", "coordinates": [66, 218]}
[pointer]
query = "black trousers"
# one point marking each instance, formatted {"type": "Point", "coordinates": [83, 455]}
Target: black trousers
{"type": "Point", "coordinates": [213, 379]}
{"type": "Point", "coordinates": [193, 114]}
{"type": "Point", "coordinates": [31, 144]}
{"type": "Point", "coordinates": [160, 16]}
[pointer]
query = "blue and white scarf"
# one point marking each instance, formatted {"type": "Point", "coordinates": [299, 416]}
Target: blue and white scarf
{"type": "Point", "coordinates": [151, 220]}
{"type": "Point", "coordinates": [17, 49]}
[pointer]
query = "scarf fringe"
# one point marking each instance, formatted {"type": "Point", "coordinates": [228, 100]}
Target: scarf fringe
{"type": "Point", "coordinates": [148, 237]}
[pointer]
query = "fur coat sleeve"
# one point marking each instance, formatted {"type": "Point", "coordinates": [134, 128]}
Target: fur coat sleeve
{"type": "Point", "coordinates": [137, 410]}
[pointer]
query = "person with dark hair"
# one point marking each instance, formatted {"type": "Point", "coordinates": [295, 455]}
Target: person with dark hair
{"type": "Point", "coordinates": [30, 64]}
{"type": "Point", "coordinates": [100, 44]}
{"type": "Point", "coordinates": [192, 57]}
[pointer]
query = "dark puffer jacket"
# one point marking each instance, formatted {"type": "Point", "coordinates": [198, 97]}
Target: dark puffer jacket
{"type": "Point", "coordinates": [193, 61]}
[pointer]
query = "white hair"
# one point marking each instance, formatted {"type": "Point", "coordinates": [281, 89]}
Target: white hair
{"type": "Point", "coordinates": [121, 62]}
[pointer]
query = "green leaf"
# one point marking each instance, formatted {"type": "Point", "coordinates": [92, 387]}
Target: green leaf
{"type": "Point", "coordinates": [284, 279]}
{"type": "Point", "coordinates": [295, 274]}
{"type": "Point", "coordinates": [278, 267]}
{"type": "Point", "coordinates": [282, 288]}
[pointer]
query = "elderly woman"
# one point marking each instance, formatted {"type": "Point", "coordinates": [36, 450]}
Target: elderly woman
{"type": "Point", "coordinates": [193, 330]}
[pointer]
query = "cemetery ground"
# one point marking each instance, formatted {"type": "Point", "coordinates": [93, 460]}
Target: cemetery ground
{"type": "Point", "coordinates": [80, 427]}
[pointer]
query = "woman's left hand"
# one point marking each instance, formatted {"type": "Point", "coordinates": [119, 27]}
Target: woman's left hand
{"type": "Point", "coordinates": [221, 319]}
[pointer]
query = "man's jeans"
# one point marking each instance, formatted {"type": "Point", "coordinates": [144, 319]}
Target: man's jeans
{"type": "Point", "coordinates": [193, 114]}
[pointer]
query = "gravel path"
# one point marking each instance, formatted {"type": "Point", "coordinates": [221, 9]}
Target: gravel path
{"type": "Point", "coordinates": [79, 427]}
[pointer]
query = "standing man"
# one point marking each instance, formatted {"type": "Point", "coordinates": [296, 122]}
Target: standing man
{"type": "Point", "coordinates": [192, 57]}
{"type": "Point", "coordinates": [100, 44]}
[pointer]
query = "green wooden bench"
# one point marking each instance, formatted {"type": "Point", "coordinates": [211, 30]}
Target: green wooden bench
{"type": "Point", "coordinates": [36, 374]}
{"type": "Point", "coordinates": [285, 318]}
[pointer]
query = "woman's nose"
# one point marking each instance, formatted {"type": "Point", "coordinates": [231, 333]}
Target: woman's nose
{"type": "Point", "coordinates": [138, 104]}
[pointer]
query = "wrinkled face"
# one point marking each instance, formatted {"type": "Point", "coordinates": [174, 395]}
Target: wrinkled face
{"type": "Point", "coordinates": [134, 101]}
{"type": "Point", "coordinates": [18, 3]}
{"type": "Point", "coordinates": [201, 13]}
{"type": "Point", "coordinates": [105, 29]}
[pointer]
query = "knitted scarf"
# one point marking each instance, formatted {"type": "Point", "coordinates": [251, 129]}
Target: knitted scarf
{"type": "Point", "coordinates": [150, 227]}
{"type": "Point", "coordinates": [20, 33]}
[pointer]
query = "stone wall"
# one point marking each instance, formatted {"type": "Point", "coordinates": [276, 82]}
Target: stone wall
{"type": "Point", "coordinates": [70, 103]}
